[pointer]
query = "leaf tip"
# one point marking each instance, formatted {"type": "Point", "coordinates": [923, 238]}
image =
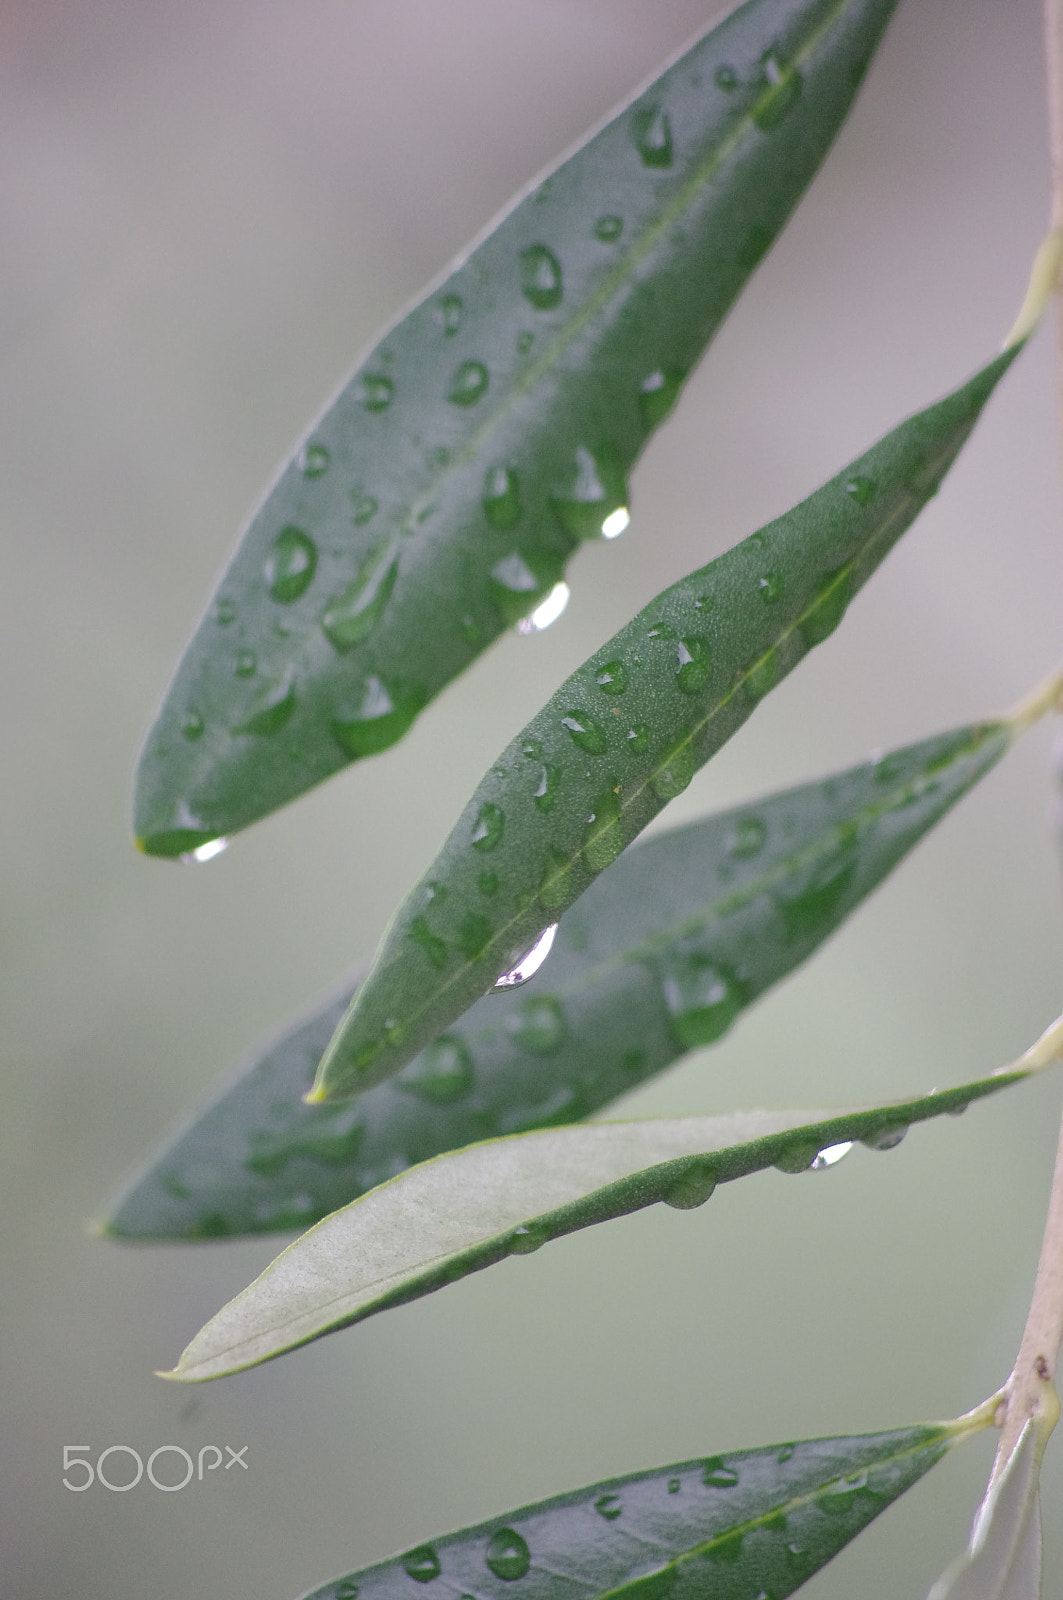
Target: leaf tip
{"type": "Point", "coordinates": [1044, 279]}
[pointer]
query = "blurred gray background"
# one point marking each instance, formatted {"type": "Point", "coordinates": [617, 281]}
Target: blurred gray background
{"type": "Point", "coordinates": [207, 210]}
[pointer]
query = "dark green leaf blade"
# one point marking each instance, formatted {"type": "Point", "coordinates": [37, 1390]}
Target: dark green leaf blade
{"type": "Point", "coordinates": [660, 955]}
{"type": "Point", "coordinates": [626, 733]}
{"type": "Point", "coordinates": [468, 1209]}
{"type": "Point", "coordinates": [753, 1522]}
{"type": "Point", "coordinates": [439, 496]}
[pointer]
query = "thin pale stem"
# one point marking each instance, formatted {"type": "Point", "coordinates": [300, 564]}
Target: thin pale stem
{"type": "Point", "coordinates": [1054, 65]}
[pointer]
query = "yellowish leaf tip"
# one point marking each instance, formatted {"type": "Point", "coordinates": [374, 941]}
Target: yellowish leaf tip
{"type": "Point", "coordinates": [315, 1096]}
{"type": "Point", "coordinates": [1046, 697]}
{"type": "Point", "coordinates": [141, 844]}
{"type": "Point", "coordinates": [1044, 277]}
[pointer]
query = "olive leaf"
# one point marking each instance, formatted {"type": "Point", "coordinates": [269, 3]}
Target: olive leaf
{"type": "Point", "coordinates": [470, 1208]}
{"type": "Point", "coordinates": [438, 497]}
{"type": "Point", "coordinates": [660, 955]}
{"type": "Point", "coordinates": [626, 733]}
{"type": "Point", "coordinates": [733, 1526]}
{"type": "Point", "coordinates": [1003, 1560]}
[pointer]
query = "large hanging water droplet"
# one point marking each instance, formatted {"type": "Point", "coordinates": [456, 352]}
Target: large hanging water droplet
{"type": "Point", "coordinates": [797, 1156]}
{"type": "Point", "coordinates": [529, 964]}
{"type": "Point", "coordinates": [422, 1564]}
{"type": "Point", "coordinates": [204, 852]}
{"type": "Point", "coordinates": [488, 827]}
{"type": "Point", "coordinates": [508, 1555]}
{"type": "Point", "coordinates": [546, 613]}
{"type": "Point", "coordinates": [603, 840]}
{"type": "Point", "coordinates": [831, 1154]}
{"type": "Point", "coordinates": [612, 678]}
{"type": "Point", "coordinates": [693, 670]}
{"type": "Point", "coordinates": [447, 313]}
{"type": "Point", "coordinates": [526, 1239]}
{"type": "Point", "coordinates": [350, 617]}
{"type": "Point", "coordinates": [540, 277]}
{"type": "Point", "coordinates": [608, 229]}
{"type": "Point", "coordinates": [887, 1137]}
{"type": "Point", "coordinates": [828, 608]}
{"type": "Point", "coordinates": [314, 460]}
{"type": "Point", "coordinates": [555, 887]}
{"type": "Point", "coordinates": [538, 1026]}
{"type": "Point", "coordinates": [703, 999]}
{"type": "Point", "coordinates": [290, 565]}
{"type": "Point", "coordinates": [380, 720]}
{"type": "Point", "coordinates": [784, 90]}
{"type": "Point", "coordinates": [584, 733]}
{"type": "Point", "coordinates": [501, 498]}
{"type": "Point", "coordinates": [513, 584]}
{"type": "Point", "coordinates": [674, 776]}
{"type": "Point", "coordinates": [272, 712]}
{"type": "Point", "coordinates": [377, 391]}
{"type": "Point", "coordinates": [658, 394]}
{"type": "Point", "coordinates": [717, 1475]}
{"type": "Point", "coordinates": [652, 132]}
{"type": "Point", "coordinates": [746, 838]}
{"type": "Point", "coordinates": [695, 1184]}
{"type": "Point", "coordinates": [616, 523]}
{"type": "Point", "coordinates": [441, 1074]}
{"type": "Point", "coordinates": [468, 384]}
{"type": "Point", "coordinates": [594, 491]}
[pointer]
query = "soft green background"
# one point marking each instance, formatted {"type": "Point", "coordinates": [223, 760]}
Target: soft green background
{"type": "Point", "coordinates": [207, 210]}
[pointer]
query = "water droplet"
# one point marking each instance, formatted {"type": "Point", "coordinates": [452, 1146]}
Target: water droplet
{"type": "Point", "coordinates": [501, 498]}
{"type": "Point", "coordinates": [784, 86]}
{"type": "Point", "coordinates": [715, 1475]}
{"type": "Point", "coordinates": [421, 934]}
{"type": "Point", "coordinates": [703, 998]}
{"type": "Point", "coordinates": [815, 908]}
{"type": "Point", "coordinates": [468, 384]}
{"type": "Point", "coordinates": [603, 840]}
{"type": "Point", "coordinates": [422, 1564]}
{"type": "Point", "coordinates": [363, 507]}
{"type": "Point", "coordinates": [861, 489]}
{"type": "Point", "coordinates": [487, 883]}
{"type": "Point", "coordinates": [379, 721]}
{"type": "Point", "coordinates": [377, 391]}
{"type": "Point", "coordinates": [540, 277]}
{"type": "Point", "coordinates": [556, 884]}
{"type": "Point", "coordinates": [837, 1501]}
{"type": "Point", "coordinates": [616, 523]}
{"type": "Point", "coordinates": [546, 793]}
{"type": "Point", "coordinates": [192, 724]}
{"type": "Point", "coordinates": [797, 1156]}
{"type": "Point", "coordinates": [831, 1154]}
{"type": "Point", "coordinates": [350, 617]}
{"type": "Point", "coordinates": [441, 1074]}
{"type": "Point", "coordinates": [447, 313]}
{"type": "Point", "coordinates": [760, 679]}
{"type": "Point", "coordinates": [513, 585]}
{"type": "Point", "coordinates": [770, 587]}
{"type": "Point", "coordinates": [674, 776]}
{"type": "Point", "coordinates": [525, 341]}
{"type": "Point", "coordinates": [538, 1026]}
{"type": "Point", "coordinates": [612, 678]}
{"type": "Point", "coordinates": [886, 1137]}
{"type": "Point", "coordinates": [488, 827]}
{"type": "Point", "coordinates": [346, 1589]}
{"type": "Point", "coordinates": [224, 612]}
{"type": "Point", "coordinates": [608, 1506]}
{"type": "Point", "coordinates": [693, 1187]}
{"type": "Point", "coordinates": [546, 613]}
{"type": "Point", "coordinates": [726, 78]}
{"type": "Point", "coordinates": [785, 1454]}
{"type": "Point", "coordinates": [272, 712]}
{"type": "Point", "coordinates": [205, 852]}
{"type": "Point", "coordinates": [529, 964]}
{"type": "Point", "coordinates": [474, 935]}
{"type": "Point", "coordinates": [508, 1555]}
{"type": "Point", "coordinates": [525, 1240]}
{"type": "Point", "coordinates": [693, 669]}
{"type": "Point", "coordinates": [290, 565]}
{"type": "Point", "coordinates": [585, 734]}
{"type": "Point", "coordinates": [638, 737]}
{"type": "Point", "coordinates": [246, 663]}
{"type": "Point", "coordinates": [314, 460]}
{"type": "Point", "coordinates": [608, 229]}
{"type": "Point", "coordinates": [747, 838]}
{"type": "Point", "coordinates": [674, 1485]}
{"type": "Point", "coordinates": [653, 136]}
{"type": "Point", "coordinates": [833, 594]}
{"type": "Point", "coordinates": [594, 490]}
{"type": "Point", "coordinates": [658, 394]}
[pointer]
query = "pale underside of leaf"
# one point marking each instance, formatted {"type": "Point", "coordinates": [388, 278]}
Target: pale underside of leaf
{"type": "Point", "coordinates": [1003, 1561]}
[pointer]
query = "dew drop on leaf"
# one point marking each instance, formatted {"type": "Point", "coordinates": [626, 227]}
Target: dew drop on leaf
{"type": "Point", "coordinates": [448, 312]}
{"type": "Point", "coordinates": [314, 461]}
{"type": "Point", "coordinates": [246, 663]}
{"type": "Point", "coordinates": [555, 885]}
{"type": "Point", "coordinates": [747, 838]}
{"type": "Point", "coordinates": [547, 612]}
{"type": "Point", "coordinates": [608, 228]}
{"type": "Point", "coordinates": [224, 612]}
{"type": "Point", "coordinates": [658, 394]}
{"type": "Point", "coordinates": [760, 679]}
{"type": "Point", "coordinates": [608, 1506]}
{"type": "Point", "coordinates": [592, 491]}
{"type": "Point", "coordinates": [192, 724]}
{"type": "Point", "coordinates": [830, 1155]}
{"type": "Point", "coordinates": [726, 78]}
{"type": "Point", "coordinates": [692, 1188]}
{"type": "Point", "coordinates": [674, 776]}
{"type": "Point", "coordinates": [603, 840]}
{"type": "Point", "coordinates": [770, 587]}
{"type": "Point", "coordinates": [441, 1074]}
{"type": "Point", "coordinates": [350, 616]}
{"type": "Point", "coordinates": [540, 277]}
{"type": "Point", "coordinates": [508, 1555]}
{"type": "Point", "coordinates": [525, 1240]}
{"type": "Point", "coordinates": [785, 85]}
{"type": "Point", "coordinates": [468, 384]}
{"type": "Point", "coordinates": [715, 1475]}
{"type": "Point", "coordinates": [488, 827]}
{"type": "Point", "coordinates": [377, 391]}
{"type": "Point", "coordinates": [538, 1026]}
{"type": "Point", "coordinates": [501, 498]}
{"type": "Point", "coordinates": [272, 712]}
{"type": "Point", "coordinates": [652, 132]}
{"type": "Point", "coordinates": [529, 964]}
{"type": "Point", "coordinates": [702, 998]}
{"type": "Point", "coordinates": [861, 489]}
{"type": "Point", "coordinates": [693, 669]}
{"type": "Point", "coordinates": [584, 733]}
{"type": "Point", "coordinates": [612, 678]}
{"type": "Point", "coordinates": [290, 565]}
{"type": "Point", "coordinates": [422, 1564]}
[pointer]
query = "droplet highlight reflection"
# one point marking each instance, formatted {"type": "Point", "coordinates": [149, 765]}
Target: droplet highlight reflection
{"type": "Point", "coordinates": [529, 964]}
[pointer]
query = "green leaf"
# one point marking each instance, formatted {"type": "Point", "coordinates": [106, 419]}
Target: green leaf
{"type": "Point", "coordinates": [660, 955]}
{"type": "Point", "coordinates": [735, 1526]}
{"type": "Point", "coordinates": [439, 496]}
{"type": "Point", "coordinates": [627, 732]}
{"type": "Point", "coordinates": [1003, 1560]}
{"type": "Point", "coordinates": [470, 1208]}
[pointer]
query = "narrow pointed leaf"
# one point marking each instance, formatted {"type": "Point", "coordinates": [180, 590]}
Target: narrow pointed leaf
{"type": "Point", "coordinates": [438, 497]}
{"type": "Point", "coordinates": [1003, 1561]}
{"type": "Point", "coordinates": [734, 1526]}
{"type": "Point", "coordinates": [660, 956]}
{"type": "Point", "coordinates": [626, 733]}
{"type": "Point", "coordinates": [470, 1208]}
